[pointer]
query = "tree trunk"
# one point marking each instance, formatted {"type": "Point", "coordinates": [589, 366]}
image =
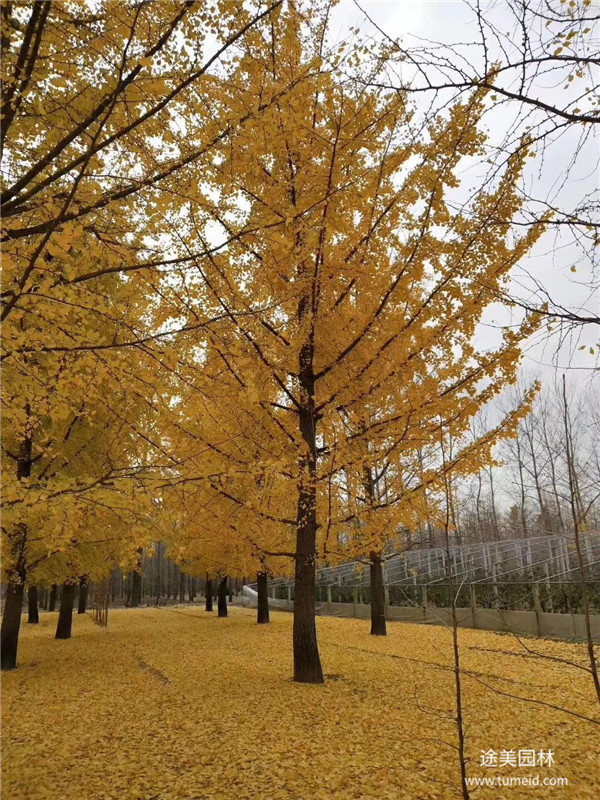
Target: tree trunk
{"type": "Point", "coordinates": [493, 506]}
{"type": "Point", "coordinates": [182, 587]}
{"type": "Point", "coordinates": [52, 599]}
{"type": "Point", "coordinates": [17, 541]}
{"type": "Point", "coordinates": [377, 595]}
{"type": "Point", "coordinates": [262, 616]}
{"type": "Point", "coordinates": [307, 663]}
{"type": "Point", "coordinates": [209, 594]}
{"type": "Point", "coordinates": [522, 484]}
{"type": "Point", "coordinates": [136, 589]}
{"type": "Point", "coordinates": [136, 583]}
{"type": "Point", "coordinates": [65, 615]}
{"type": "Point", "coordinates": [222, 597]}
{"type": "Point", "coordinates": [544, 515]}
{"type": "Point", "coordinates": [480, 531]}
{"type": "Point", "coordinates": [578, 517]}
{"type": "Point", "coordinates": [83, 594]}
{"type": "Point", "coordinates": [192, 589]}
{"type": "Point", "coordinates": [552, 462]}
{"type": "Point", "coordinates": [11, 622]}
{"type": "Point", "coordinates": [159, 587]}
{"type": "Point", "coordinates": [33, 615]}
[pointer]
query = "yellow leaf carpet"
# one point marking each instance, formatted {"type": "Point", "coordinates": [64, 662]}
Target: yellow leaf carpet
{"type": "Point", "coordinates": [176, 704]}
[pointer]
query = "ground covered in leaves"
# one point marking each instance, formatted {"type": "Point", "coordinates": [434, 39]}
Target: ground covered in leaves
{"type": "Point", "coordinates": [175, 704]}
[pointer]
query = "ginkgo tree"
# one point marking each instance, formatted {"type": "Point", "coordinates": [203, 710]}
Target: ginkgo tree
{"type": "Point", "coordinates": [73, 475]}
{"type": "Point", "coordinates": [280, 279]}
{"type": "Point", "coordinates": [351, 280]}
{"type": "Point", "coordinates": [227, 506]}
{"type": "Point", "coordinates": [79, 434]}
{"type": "Point", "coordinates": [104, 105]}
{"type": "Point", "coordinates": [93, 108]}
{"type": "Point", "coordinates": [389, 480]}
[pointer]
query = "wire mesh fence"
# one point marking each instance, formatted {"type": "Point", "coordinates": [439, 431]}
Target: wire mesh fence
{"type": "Point", "coordinates": [540, 573]}
{"type": "Point", "coordinates": [555, 597]}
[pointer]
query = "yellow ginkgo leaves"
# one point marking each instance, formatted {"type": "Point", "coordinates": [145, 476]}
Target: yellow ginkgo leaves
{"type": "Point", "coordinates": [113, 714]}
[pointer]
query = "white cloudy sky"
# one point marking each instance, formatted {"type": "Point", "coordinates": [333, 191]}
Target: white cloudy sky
{"type": "Point", "coordinates": [567, 175]}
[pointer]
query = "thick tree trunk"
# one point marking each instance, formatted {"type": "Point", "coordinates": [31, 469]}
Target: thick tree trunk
{"type": "Point", "coordinates": [33, 615]}
{"type": "Point", "coordinates": [192, 590]}
{"type": "Point", "coordinates": [16, 577]}
{"type": "Point", "coordinates": [11, 623]}
{"type": "Point", "coordinates": [262, 616]}
{"type": "Point", "coordinates": [52, 599]}
{"type": "Point", "coordinates": [222, 597]}
{"type": "Point", "coordinates": [182, 587]}
{"type": "Point", "coordinates": [83, 595]}
{"type": "Point", "coordinates": [307, 663]}
{"type": "Point", "coordinates": [377, 595]}
{"type": "Point", "coordinates": [136, 590]}
{"type": "Point", "coordinates": [209, 594]}
{"type": "Point", "coordinates": [65, 615]}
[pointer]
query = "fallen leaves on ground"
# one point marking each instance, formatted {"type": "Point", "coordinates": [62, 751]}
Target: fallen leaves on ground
{"type": "Point", "coordinates": [177, 704]}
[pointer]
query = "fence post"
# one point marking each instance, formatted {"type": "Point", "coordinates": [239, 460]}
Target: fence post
{"type": "Point", "coordinates": [495, 584]}
{"type": "Point", "coordinates": [549, 588]}
{"type": "Point", "coordinates": [328, 597]}
{"type": "Point", "coordinates": [473, 596]}
{"type": "Point", "coordinates": [424, 602]}
{"type": "Point", "coordinates": [537, 605]}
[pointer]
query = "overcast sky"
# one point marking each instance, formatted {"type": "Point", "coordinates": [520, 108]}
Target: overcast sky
{"type": "Point", "coordinates": [566, 176]}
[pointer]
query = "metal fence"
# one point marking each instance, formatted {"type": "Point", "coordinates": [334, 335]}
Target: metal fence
{"type": "Point", "coordinates": [556, 597]}
{"type": "Point", "coordinates": [538, 573]}
{"type": "Point", "coordinates": [541, 558]}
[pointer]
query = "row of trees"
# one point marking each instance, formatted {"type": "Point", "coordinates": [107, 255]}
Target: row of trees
{"type": "Point", "coordinates": [91, 139]}
{"type": "Point", "coordinates": [527, 492]}
{"type": "Point", "coordinates": [540, 457]}
{"type": "Point", "coordinates": [151, 586]}
{"type": "Point", "coordinates": [241, 296]}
